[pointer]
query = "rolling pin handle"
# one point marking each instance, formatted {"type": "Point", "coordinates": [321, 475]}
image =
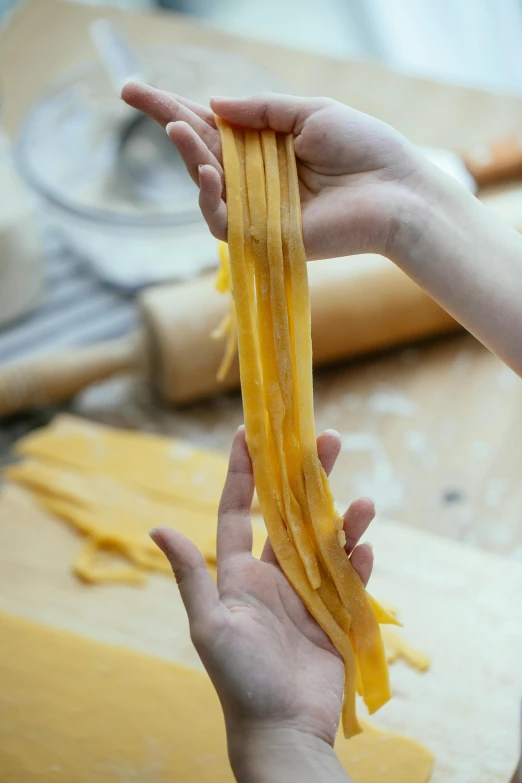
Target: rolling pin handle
{"type": "Point", "coordinates": [43, 380]}
{"type": "Point", "coordinates": [499, 162]}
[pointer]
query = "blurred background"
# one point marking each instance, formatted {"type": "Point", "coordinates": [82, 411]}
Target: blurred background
{"type": "Point", "coordinates": [476, 42]}
{"type": "Point", "coordinates": [106, 269]}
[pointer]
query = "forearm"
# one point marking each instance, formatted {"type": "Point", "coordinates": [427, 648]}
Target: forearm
{"type": "Point", "coordinates": [466, 258]}
{"type": "Point", "coordinates": [277, 755]}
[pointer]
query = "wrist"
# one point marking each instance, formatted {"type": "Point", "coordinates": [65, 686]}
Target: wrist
{"type": "Point", "coordinates": [465, 257]}
{"type": "Point", "coordinates": [269, 752]}
{"type": "Point", "coordinates": [430, 206]}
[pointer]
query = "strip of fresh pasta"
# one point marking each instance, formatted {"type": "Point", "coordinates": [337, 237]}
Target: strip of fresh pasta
{"type": "Point", "coordinates": [366, 633]}
{"type": "Point", "coordinates": [253, 402]}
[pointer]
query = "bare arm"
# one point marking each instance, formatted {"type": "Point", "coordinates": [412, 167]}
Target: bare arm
{"type": "Point", "coordinates": [467, 258]}
{"type": "Point", "coordinates": [365, 188]}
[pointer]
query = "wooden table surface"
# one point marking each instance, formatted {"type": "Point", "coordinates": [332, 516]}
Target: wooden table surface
{"type": "Point", "coordinates": [464, 709]}
{"type": "Point", "coordinates": [431, 432]}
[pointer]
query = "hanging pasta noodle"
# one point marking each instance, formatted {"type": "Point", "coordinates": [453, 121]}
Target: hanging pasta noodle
{"type": "Point", "coordinates": [270, 287]}
{"type": "Point", "coordinates": [227, 327]}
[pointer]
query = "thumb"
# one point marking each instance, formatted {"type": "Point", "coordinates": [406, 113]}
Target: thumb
{"type": "Point", "coordinates": [282, 113]}
{"type": "Point", "coordinates": [196, 586]}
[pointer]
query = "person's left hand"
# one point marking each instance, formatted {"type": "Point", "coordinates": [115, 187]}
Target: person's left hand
{"type": "Point", "coordinates": [268, 659]}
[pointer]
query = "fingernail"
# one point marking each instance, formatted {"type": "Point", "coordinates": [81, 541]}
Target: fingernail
{"type": "Point", "coordinates": [155, 534]}
{"type": "Point", "coordinates": [133, 80]}
{"type": "Point", "coordinates": [218, 98]}
{"type": "Point", "coordinates": [336, 433]}
{"type": "Point", "coordinates": [168, 128]}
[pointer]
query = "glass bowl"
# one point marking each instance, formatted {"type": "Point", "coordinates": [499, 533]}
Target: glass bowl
{"type": "Point", "coordinates": [69, 151]}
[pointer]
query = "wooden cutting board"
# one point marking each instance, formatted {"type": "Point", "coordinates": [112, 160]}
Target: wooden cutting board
{"type": "Point", "coordinates": [460, 606]}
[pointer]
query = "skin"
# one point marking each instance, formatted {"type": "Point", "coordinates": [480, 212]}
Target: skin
{"type": "Point", "coordinates": [364, 188]}
{"type": "Point", "coordinates": [278, 676]}
{"type": "Point", "coordinates": [351, 166]}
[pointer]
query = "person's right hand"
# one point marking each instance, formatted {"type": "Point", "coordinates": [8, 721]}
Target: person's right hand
{"type": "Point", "coordinates": [355, 171]}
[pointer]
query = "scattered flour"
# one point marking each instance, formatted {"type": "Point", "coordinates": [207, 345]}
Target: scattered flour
{"type": "Point", "coordinates": [498, 534]}
{"type": "Point", "coordinates": [466, 514]}
{"type": "Point", "coordinates": [379, 482]}
{"type": "Point", "coordinates": [448, 431]}
{"type": "Point", "coordinates": [494, 491]}
{"type": "Point", "coordinates": [516, 553]}
{"type": "Point", "coordinates": [360, 441]}
{"type": "Point", "coordinates": [179, 451]}
{"type": "Point", "coordinates": [415, 441]}
{"type": "Point", "coordinates": [390, 401]}
{"type": "Point", "coordinates": [198, 478]}
{"type": "Point", "coordinates": [480, 449]}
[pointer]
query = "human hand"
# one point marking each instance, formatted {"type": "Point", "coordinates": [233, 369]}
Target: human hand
{"type": "Point", "coordinates": [355, 171]}
{"type": "Point", "coordinates": [272, 666]}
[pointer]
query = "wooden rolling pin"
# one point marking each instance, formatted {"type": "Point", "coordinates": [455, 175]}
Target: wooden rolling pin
{"type": "Point", "coordinates": [359, 305]}
{"type": "Point", "coordinates": [500, 161]}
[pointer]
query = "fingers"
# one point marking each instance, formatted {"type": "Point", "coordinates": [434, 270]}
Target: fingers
{"type": "Point", "coordinates": [192, 149]}
{"type": "Point", "coordinates": [166, 108]}
{"type": "Point", "coordinates": [356, 521]}
{"type": "Point", "coordinates": [357, 518]}
{"type": "Point", "coordinates": [157, 104]}
{"type": "Point", "coordinates": [161, 105]}
{"type": "Point", "coordinates": [209, 136]}
{"type": "Point", "coordinates": [284, 113]}
{"type": "Point", "coordinates": [268, 554]}
{"type": "Point", "coordinates": [197, 588]}
{"type": "Point", "coordinates": [328, 448]}
{"type": "Point", "coordinates": [234, 533]}
{"type": "Point", "coordinates": [362, 561]}
{"type": "Point", "coordinates": [212, 206]}
{"type": "Point", "coordinates": [204, 112]}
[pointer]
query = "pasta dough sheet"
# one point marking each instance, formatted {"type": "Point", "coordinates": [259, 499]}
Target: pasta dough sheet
{"type": "Point", "coordinates": [73, 709]}
{"type": "Point", "coordinates": [116, 518]}
{"type": "Point", "coordinates": [114, 485]}
{"type": "Point", "coordinates": [168, 469]}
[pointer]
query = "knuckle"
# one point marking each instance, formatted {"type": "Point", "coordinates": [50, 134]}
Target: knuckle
{"type": "Point", "coordinates": [179, 574]}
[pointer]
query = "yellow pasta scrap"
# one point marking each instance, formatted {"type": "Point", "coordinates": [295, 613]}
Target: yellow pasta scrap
{"type": "Point", "coordinates": [227, 327]}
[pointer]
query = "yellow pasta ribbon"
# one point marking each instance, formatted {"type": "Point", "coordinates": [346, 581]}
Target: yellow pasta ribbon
{"type": "Point", "coordinates": [268, 277]}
